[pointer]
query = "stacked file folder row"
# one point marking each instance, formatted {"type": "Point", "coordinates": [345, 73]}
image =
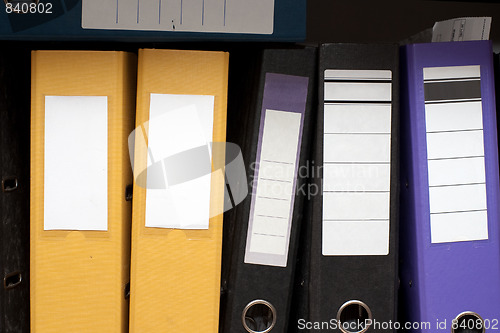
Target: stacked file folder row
{"type": "Point", "coordinates": [345, 187]}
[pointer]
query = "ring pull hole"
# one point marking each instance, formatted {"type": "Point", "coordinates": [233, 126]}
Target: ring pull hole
{"type": "Point", "coordinates": [129, 192]}
{"type": "Point", "coordinates": [259, 317]}
{"type": "Point", "coordinates": [126, 292]}
{"type": "Point", "coordinates": [9, 184]}
{"type": "Point", "coordinates": [12, 280]}
{"type": "Point", "coordinates": [352, 317]}
{"type": "Point", "coordinates": [468, 322]}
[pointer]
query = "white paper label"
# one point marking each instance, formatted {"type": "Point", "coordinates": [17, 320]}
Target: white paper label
{"type": "Point", "coordinates": [76, 163]}
{"type": "Point", "coordinates": [356, 157]}
{"type": "Point", "coordinates": [178, 126]}
{"type": "Point", "coordinates": [455, 153]}
{"type": "Point", "coordinates": [225, 16]}
{"type": "Point", "coordinates": [272, 205]}
{"type": "Point", "coordinates": [462, 29]}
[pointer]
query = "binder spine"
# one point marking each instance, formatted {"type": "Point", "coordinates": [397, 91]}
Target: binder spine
{"type": "Point", "coordinates": [258, 288]}
{"type": "Point", "coordinates": [341, 285]}
{"type": "Point", "coordinates": [433, 251]}
{"type": "Point", "coordinates": [14, 191]}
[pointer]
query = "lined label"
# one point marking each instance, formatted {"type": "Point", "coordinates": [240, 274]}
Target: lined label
{"type": "Point", "coordinates": [76, 163]}
{"type": "Point", "coordinates": [356, 162]}
{"type": "Point", "coordinates": [455, 154]}
{"type": "Point", "coordinates": [235, 16]}
{"type": "Point", "coordinates": [273, 200]}
{"type": "Point", "coordinates": [275, 171]}
{"type": "Point", "coordinates": [180, 130]}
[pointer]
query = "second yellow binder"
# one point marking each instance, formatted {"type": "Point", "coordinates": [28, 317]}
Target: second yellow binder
{"type": "Point", "coordinates": [178, 195]}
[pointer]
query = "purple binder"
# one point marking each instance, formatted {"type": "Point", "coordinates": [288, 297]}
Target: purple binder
{"type": "Point", "coordinates": [449, 245]}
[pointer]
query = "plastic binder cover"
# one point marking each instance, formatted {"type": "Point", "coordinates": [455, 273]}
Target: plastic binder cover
{"type": "Point", "coordinates": [82, 112]}
{"type": "Point", "coordinates": [177, 220]}
{"type": "Point", "coordinates": [352, 272]}
{"type": "Point", "coordinates": [450, 250]}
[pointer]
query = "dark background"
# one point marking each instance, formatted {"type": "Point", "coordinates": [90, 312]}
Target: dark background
{"type": "Point", "coordinates": [364, 21]}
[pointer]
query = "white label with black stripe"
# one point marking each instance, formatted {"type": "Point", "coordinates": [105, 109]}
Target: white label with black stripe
{"type": "Point", "coordinates": [455, 154]}
{"type": "Point", "coordinates": [356, 162]}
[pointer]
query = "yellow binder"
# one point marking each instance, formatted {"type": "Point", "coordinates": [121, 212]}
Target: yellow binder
{"type": "Point", "coordinates": [82, 111]}
{"type": "Point", "coordinates": [175, 275]}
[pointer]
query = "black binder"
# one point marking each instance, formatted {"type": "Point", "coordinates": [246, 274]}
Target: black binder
{"type": "Point", "coordinates": [268, 90]}
{"type": "Point", "coordinates": [349, 277]}
{"type": "Point", "coordinates": [15, 191]}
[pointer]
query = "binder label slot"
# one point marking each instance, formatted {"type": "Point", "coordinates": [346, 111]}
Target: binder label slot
{"type": "Point", "coordinates": [356, 162]}
{"type": "Point", "coordinates": [76, 163]}
{"type": "Point", "coordinates": [455, 154]}
{"type": "Point", "coordinates": [275, 172]}
{"type": "Point", "coordinates": [179, 171]}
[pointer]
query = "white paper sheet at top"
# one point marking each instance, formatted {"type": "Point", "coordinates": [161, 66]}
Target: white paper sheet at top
{"type": "Point", "coordinates": [224, 16]}
{"type": "Point", "coordinates": [177, 124]}
{"type": "Point", "coordinates": [462, 29]}
{"type": "Point", "coordinates": [76, 163]}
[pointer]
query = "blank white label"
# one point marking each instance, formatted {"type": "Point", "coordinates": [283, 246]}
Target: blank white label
{"type": "Point", "coordinates": [355, 91]}
{"type": "Point", "coordinates": [455, 144]}
{"type": "Point", "coordinates": [235, 16]}
{"type": "Point", "coordinates": [357, 118]}
{"type": "Point", "coordinates": [456, 171]}
{"type": "Point", "coordinates": [357, 148]}
{"type": "Point", "coordinates": [457, 198]}
{"type": "Point", "coordinates": [455, 152]}
{"type": "Point", "coordinates": [339, 237]}
{"type": "Point", "coordinates": [272, 205]}
{"type": "Point", "coordinates": [459, 227]}
{"type": "Point", "coordinates": [356, 177]}
{"type": "Point", "coordinates": [459, 116]}
{"type": "Point", "coordinates": [178, 124]}
{"type": "Point", "coordinates": [76, 163]}
{"type": "Point", "coordinates": [451, 72]}
{"type": "Point", "coordinates": [356, 157]}
{"type": "Point", "coordinates": [356, 206]}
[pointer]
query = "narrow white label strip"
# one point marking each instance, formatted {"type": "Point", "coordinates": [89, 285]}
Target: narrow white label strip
{"type": "Point", "coordinates": [356, 157]}
{"type": "Point", "coordinates": [180, 130]}
{"type": "Point", "coordinates": [455, 152]}
{"type": "Point", "coordinates": [235, 16]}
{"type": "Point", "coordinates": [272, 210]}
{"type": "Point", "coordinates": [76, 163]}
